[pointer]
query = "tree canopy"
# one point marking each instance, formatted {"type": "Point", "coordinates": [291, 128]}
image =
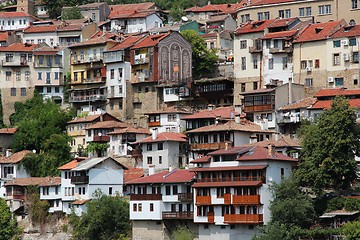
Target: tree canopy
{"type": "Point", "coordinates": [8, 225]}
{"type": "Point", "coordinates": [41, 126]}
{"type": "Point", "coordinates": [106, 218]}
{"type": "Point", "coordinates": [203, 60]}
{"type": "Point", "coordinates": [329, 146]}
{"type": "Point", "coordinates": [71, 13]}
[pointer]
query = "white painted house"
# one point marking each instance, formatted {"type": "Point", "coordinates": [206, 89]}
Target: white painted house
{"type": "Point", "coordinates": [15, 20]}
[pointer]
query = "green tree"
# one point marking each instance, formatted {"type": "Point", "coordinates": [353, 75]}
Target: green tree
{"type": "Point", "coordinates": [276, 231]}
{"type": "Point", "coordinates": [71, 13]}
{"type": "Point", "coordinates": [182, 233]}
{"type": "Point", "coordinates": [98, 148]}
{"type": "Point", "coordinates": [329, 146]}
{"type": "Point", "coordinates": [8, 225]}
{"type": "Point", "coordinates": [53, 8]}
{"type": "Point", "coordinates": [203, 60]}
{"type": "Point", "coordinates": [106, 218]}
{"type": "Point", "coordinates": [351, 230]}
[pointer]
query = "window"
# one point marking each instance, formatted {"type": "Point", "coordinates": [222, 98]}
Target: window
{"type": "Point", "coordinates": [160, 146]}
{"type": "Point", "coordinates": [336, 59]}
{"type": "Point", "coordinates": [285, 62]}
{"type": "Point", "coordinates": [23, 91]}
{"type": "Point", "coordinates": [282, 172]}
{"type": "Point", "coordinates": [268, 44]}
{"type": "Point", "coordinates": [354, 4]}
{"type": "Point", "coordinates": [151, 207]}
{"type": "Point", "coordinates": [45, 190]}
{"type": "Point", "coordinates": [149, 160]}
{"type": "Point", "coordinates": [269, 117]}
{"type": "Point", "coordinates": [324, 9]}
{"type": "Point", "coordinates": [13, 92]}
{"type": "Point", "coordinates": [93, 16]}
{"type": "Point", "coordinates": [287, 13]}
{"type": "Point", "coordinates": [39, 75]}
{"type": "Point", "coordinates": [243, 44]}
{"type": "Point", "coordinates": [48, 89]}
{"type": "Point", "coordinates": [140, 207]}
{"type": "Point", "coordinates": [352, 41]}
{"type": "Point", "coordinates": [149, 147]}
{"type": "Point", "coordinates": [110, 190]}
{"type": "Point", "coordinates": [56, 77]}
{"type": "Point", "coordinates": [9, 57]}
{"type": "Point", "coordinates": [310, 63]}
{"type": "Point", "coordinates": [134, 207]}
{"type": "Point", "coordinates": [301, 12]}
{"type": "Point", "coordinates": [243, 63]}
{"type": "Point", "coordinates": [41, 60]}
{"type": "Point", "coordinates": [160, 159]}
{"type": "Point", "coordinates": [356, 81]}
{"type": "Point", "coordinates": [245, 18]}
{"type": "Point", "coordinates": [56, 190]}
{"type": "Point", "coordinates": [281, 13]}
{"type": "Point", "coordinates": [8, 76]}
{"type": "Point", "coordinates": [308, 82]}
{"type": "Point", "coordinates": [303, 64]}
{"type": "Point", "coordinates": [336, 44]}
{"type": "Point", "coordinates": [317, 63]}
{"type": "Point", "coordinates": [276, 43]}
{"type": "Point", "coordinates": [339, 82]}
{"type": "Point", "coordinates": [112, 73]}
{"type": "Point", "coordinates": [27, 75]}
{"type": "Point", "coordinates": [266, 15]}
{"type": "Point", "coordinates": [255, 63]}
{"type": "Point", "coordinates": [48, 76]}
{"type": "Point", "coordinates": [18, 75]}
{"type": "Point", "coordinates": [271, 63]}
{"type": "Point", "coordinates": [260, 16]}
{"type": "Point", "coordinates": [168, 190]}
{"type": "Point", "coordinates": [355, 57]}
{"type": "Point", "coordinates": [308, 11]}
{"type": "Point", "coordinates": [171, 117]}
{"type": "Point", "coordinates": [175, 190]}
{"type": "Point", "coordinates": [243, 87]}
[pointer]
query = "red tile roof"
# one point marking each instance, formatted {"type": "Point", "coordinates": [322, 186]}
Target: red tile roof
{"type": "Point", "coordinates": [165, 136]}
{"type": "Point", "coordinates": [40, 29]}
{"type": "Point", "coordinates": [131, 14]}
{"type": "Point", "coordinates": [210, 169]}
{"type": "Point", "coordinates": [303, 103]}
{"type": "Point", "coordinates": [15, 157]}
{"type": "Point", "coordinates": [319, 31]}
{"type": "Point", "coordinates": [326, 104]}
{"type": "Point", "coordinates": [203, 159]}
{"type": "Point", "coordinates": [244, 126]}
{"type": "Point", "coordinates": [89, 118]}
{"type": "Point", "coordinates": [223, 112]}
{"type": "Point", "coordinates": [72, 164]}
{"type": "Point", "coordinates": [19, 47]}
{"type": "Point", "coordinates": [227, 184]}
{"type": "Point", "coordinates": [252, 27]}
{"type": "Point", "coordinates": [169, 110]}
{"type": "Point", "coordinates": [268, 2]}
{"type": "Point", "coordinates": [108, 124]}
{"type": "Point", "coordinates": [175, 176]}
{"type": "Point", "coordinates": [92, 41]}
{"type": "Point", "coordinates": [262, 153]}
{"type": "Point", "coordinates": [126, 43]}
{"type": "Point", "coordinates": [347, 31]}
{"type": "Point", "coordinates": [132, 174]}
{"type": "Point", "coordinates": [222, 8]}
{"type": "Point", "coordinates": [15, 15]}
{"type": "Point", "coordinates": [7, 130]}
{"type": "Point", "coordinates": [217, 18]}
{"type": "Point", "coordinates": [35, 181]}
{"type": "Point", "coordinates": [130, 130]}
{"type": "Point", "coordinates": [333, 92]}
{"type": "Point", "coordinates": [150, 41]}
{"type": "Point", "coordinates": [282, 22]}
{"type": "Point", "coordinates": [133, 6]}
{"type": "Point", "coordinates": [282, 34]}
{"type": "Point", "coordinates": [80, 201]}
{"type": "Point", "coordinates": [284, 141]}
{"type": "Point", "coordinates": [4, 36]}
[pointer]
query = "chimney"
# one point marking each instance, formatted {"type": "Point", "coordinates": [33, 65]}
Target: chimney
{"type": "Point", "coordinates": [170, 167]}
{"type": "Point", "coordinates": [151, 169]}
{"type": "Point", "coordinates": [277, 137]}
{"type": "Point", "coordinates": [271, 150]}
{"type": "Point", "coordinates": [211, 107]}
{"type": "Point", "coordinates": [186, 166]}
{"type": "Point", "coordinates": [237, 118]}
{"type": "Point", "coordinates": [217, 119]}
{"type": "Point", "coordinates": [209, 2]}
{"type": "Point", "coordinates": [238, 109]}
{"type": "Point", "coordinates": [154, 133]}
{"type": "Point", "coordinates": [8, 153]}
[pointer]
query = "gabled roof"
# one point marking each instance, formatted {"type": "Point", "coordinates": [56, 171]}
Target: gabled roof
{"type": "Point", "coordinates": [41, 29]}
{"type": "Point", "coordinates": [15, 157]}
{"type": "Point", "coordinates": [80, 201]}
{"type": "Point", "coordinates": [204, 159]}
{"type": "Point", "coordinates": [244, 126]}
{"type": "Point", "coordinates": [164, 137]}
{"type": "Point", "coordinates": [150, 41]}
{"type": "Point", "coordinates": [4, 36]}
{"type": "Point", "coordinates": [175, 176]}
{"type": "Point", "coordinates": [15, 15]}
{"type": "Point", "coordinates": [267, 2]}
{"type": "Point", "coordinates": [70, 165]}
{"type": "Point", "coordinates": [91, 162]}
{"type": "Point", "coordinates": [319, 31]}
{"type": "Point", "coordinates": [8, 130]}
{"type": "Point", "coordinates": [326, 104]}
{"type": "Point", "coordinates": [34, 181]}
{"type": "Point", "coordinates": [131, 14]}
{"type": "Point", "coordinates": [303, 103]}
{"type": "Point", "coordinates": [233, 168]}
{"type": "Point", "coordinates": [333, 92]}
{"type": "Point", "coordinates": [347, 31]}
{"type": "Point", "coordinates": [126, 43]}
{"type": "Point", "coordinates": [19, 47]}
{"type": "Point", "coordinates": [281, 35]}
{"type": "Point", "coordinates": [130, 130]}
{"type": "Point", "coordinates": [252, 27]}
{"type": "Point", "coordinates": [217, 18]}
{"type": "Point", "coordinates": [262, 153]}
{"type": "Point", "coordinates": [223, 112]}
{"type": "Point", "coordinates": [132, 174]}
{"type": "Point", "coordinates": [282, 22]}
{"type": "Point", "coordinates": [91, 5]}
{"type": "Point", "coordinates": [89, 118]}
{"type": "Point", "coordinates": [108, 124]}
{"type": "Point", "coordinates": [284, 141]}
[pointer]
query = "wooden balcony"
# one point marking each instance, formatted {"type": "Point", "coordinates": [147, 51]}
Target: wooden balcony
{"type": "Point", "coordinates": [101, 139]}
{"type": "Point", "coordinates": [139, 197]}
{"type": "Point", "coordinates": [227, 198]}
{"type": "Point", "coordinates": [231, 179]}
{"type": "Point", "coordinates": [89, 98]}
{"type": "Point", "coordinates": [259, 108]}
{"type": "Point", "coordinates": [210, 146]}
{"type": "Point", "coordinates": [80, 180]}
{"type": "Point", "coordinates": [246, 199]}
{"type": "Point", "coordinates": [211, 217]}
{"type": "Point", "coordinates": [281, 50]}
{"type": "Point", "coordinates": [177, 215]}
{"type": "Point", "coordinates": [185, 197]}
{"type": "Point", "coordinates": [255, 49]}
{"type": "Point", "coordinates": [203, 200]}
{"type": "Point", "coordinates": [154, 124]}
{"type": "Point", "coordinates": [243, 218]}
{"type": "Point", "coordinates": [14, 63]}
{"type": "Point", "coordinates": [18, 196]}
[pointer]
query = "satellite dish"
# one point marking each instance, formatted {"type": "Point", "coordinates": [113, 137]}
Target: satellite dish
{"type": "Point", "coordinates": [184, 18]}
{"type": "Point", "coordinates": [130, 148]}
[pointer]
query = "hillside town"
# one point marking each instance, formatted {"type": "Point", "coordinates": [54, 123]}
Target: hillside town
{"type": "Point", "coordinates": [229, 121]}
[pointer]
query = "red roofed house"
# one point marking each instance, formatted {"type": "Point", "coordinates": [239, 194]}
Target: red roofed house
{"type": "Point", "coordinates": [7, 38]}
{"type": "Point", "coordinates": [163, 150]}
{"type": "Point", "coordinates": [160, 202]}
{"type": "Point", "coordinates": [231, 192]}
{"type": "Point", "coordinates": [15, 20]}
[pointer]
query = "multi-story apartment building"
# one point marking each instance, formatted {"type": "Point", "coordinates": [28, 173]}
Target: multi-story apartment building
{"type": "Point", "coordinates": [221, 22]}
{"type": "Point", "coordinates": [160, 202]}
{"type": "Point", "coordinates": [12, 21]}
{"type": "Point", "coordinates": [231, 192]}
{"type": "Point", "coordinates": [88, 74]}
{"type": "Point", "coordinates": [76, 31]}
{"type": "Point", "coordinates": [98, 11]}
{"type": "Point", "coordinates": [221, 42]}
{"type": "Point", "coordinates": [319, 10]}
{"type": "Point", "coordinates": [41, 32]}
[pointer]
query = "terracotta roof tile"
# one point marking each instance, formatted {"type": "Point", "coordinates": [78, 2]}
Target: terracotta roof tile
{"type": "Point", "coordinates": [268, 2]}
{"type": "Point", "coordinates": [282, 22]}
{"type": "Point", "coordinates": [282, 34]}
{"type": "Point", "coordinates": [150, 41]}
{"type": "Point", "coordinates": [326, 104]}
{"type": "Point", "coordinates": [89, 118]}
{"type": "Point", "coordinates": [92, 41]}
{"type": "Point", "coordinates": [244, 126]}
{"type": "Point", "coordinates": [303, 103]}
{"type": "Point", "coordinates": [319, 31]}
{"type": "Point", "coordinates": [213, 169]}
{"type": "Point", "coordinates": [203, 159]}
{"type": "Point", "coordinates": [126, 43]}
{"type": "Point", "coordinates": [4, 36]}
{"type": "Point", "coordinates": [222, 8]}
{"type": "Point", "coordinates": [251, 27]}
{"type": "Point", "coordinates": [347, 31]}
{"type": "Point", "coordinates": [130, 130]}
{"type": "Point", "coordinates": [132, 174]}
{"type": "Point", "coordinates": [15, 14]}
{"type": "Point", "coordinates": [217, 18]}
{"type": "Point", "coordinates": [131, 14]}
{"type": "Point", "coordinates": [132, 6]}
{"type": "Point", "coordinates": [19, 47]}
{"type": "Point", "coordinates": [175, 176]}
{"type": "Point", "coordinates": [15, 157]}
{"type": "Point", "coordinates": [333, 92]}
{"type": "Point", "coordinates": [262, 153]}
{"type": "Point", "coordinates": [8, 130]}
{"type": "Point", "coordinates": [70, 165]}
{"type": "Point", "coordinates": [80, 201]}
{"type": "Point", "coordinates": [40, 29]}
{"type": "Point", "coordinates": [284, 141]}
{"type": "Point", "coordinates": [165, 136]}
{"type": "Point", "coordinates": [34, 181]}
{"type": "Point", "coordinates": [223, 112]}
{"type": "Point", "coordinates": [108, 124]}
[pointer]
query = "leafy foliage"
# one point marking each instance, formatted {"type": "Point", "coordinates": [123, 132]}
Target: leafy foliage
{"type": "Point", "coordinates": [72, 13]}
{"type": "Point", "coordinates": [8, 225]}
{"type": "Point", "coordinates": [41, 127]}
{"type": "Point", "coordinates": [98, 148]}
{"type": "Point", "coordinates": [351, 230]}
{"type": "Point", "coordinates": [182, 233]}
{"type": "Point", "coordinates": [203, 60]}
{"type": "Point", "coordinates": [339, 203]}
{"type": "Point", "coordinates": [328, 149]}
{"type": "Point", "coordinates": [37, 208]}
{"type": "Point", "coordinates": [106, 218]}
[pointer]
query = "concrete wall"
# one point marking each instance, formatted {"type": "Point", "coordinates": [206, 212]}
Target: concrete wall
{"type": "Point", "coordinates": [149, 230]}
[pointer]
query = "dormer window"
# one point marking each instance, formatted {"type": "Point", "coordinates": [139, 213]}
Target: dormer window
{"type": "Point", "coordinates": [318, 29]}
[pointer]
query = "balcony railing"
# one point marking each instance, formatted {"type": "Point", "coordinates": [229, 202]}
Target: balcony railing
{"type": "Point", "coordinates": [257, 108]}
{"type": "Point", "coordinates": [139, 197]}
{"type": "Point", "coordinates": [211, 217]}
{"type": "Point", "coordinates": [154, 124]}
{"type": "Point", "coordinates": [246, 199]}
{"type": "Point", "coordinates": [255, 49]}
{"type": "Point", "coordinates": [185, 197]}
{"type": "Point", "coordinates": [20, 62]}
{"type": "Point", "coordinates": [203, 200]}
{"type": "Point", "coordinates": [142, 60]}
{"type": "Point", "coordinates": [80, 180]}
{"type": "Point", "coordinates": [101, 139]}
{"type": "Point", "coordinates": [91, 98]}
{"type": "Point", "coordinates": [227, 198]}
{"type": "Point", "coordinates": [281, 50]}
{"type": "Point", "coordinates": [210, 146]}
{"type": "Point", "coordinates": [231, 179]}
{"type": "Point", "coordinates": [177, 215]}
{"type": "Point", "coordinates": [243, 218]}
{"type": "Point", "coordinates": [99, 79]}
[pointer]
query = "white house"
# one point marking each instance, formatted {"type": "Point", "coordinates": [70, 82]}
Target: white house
{"type": "Point", "coordinates": [231, 194]}
{"type": "Point", "coordinates": [15, 20]}
{"type": "Point", "coordinates": [50, 191]}
{"type": "Point", "coordinates": [39, 33]}
{"type": "Point", "coordinates": [81, 178]}
{"type": "Point", "coordinates": [163, 150]}
{"type": "Point", "coordinates": [159, 201]}
{"type": "Point", "coordinates": [11, 168]}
